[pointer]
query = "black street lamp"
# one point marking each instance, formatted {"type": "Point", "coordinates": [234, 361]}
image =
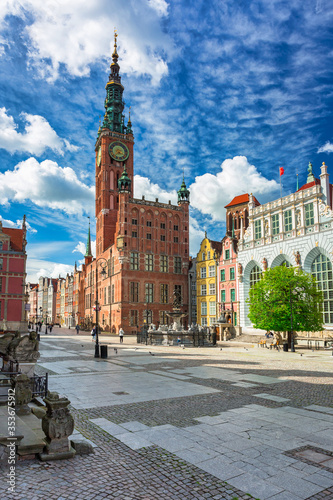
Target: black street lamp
{"type": "Point", "coordinates": [292, 345]}
{"type": "Point", "coordinates": [103, 273]}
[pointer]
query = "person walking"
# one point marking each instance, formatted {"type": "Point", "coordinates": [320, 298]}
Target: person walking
{"type": "Point", "coordinates": [77, 329]}
{"type": "Point", "coordinates": [93, 334]}
{"type": "Point", "coordinates": [121, 335]}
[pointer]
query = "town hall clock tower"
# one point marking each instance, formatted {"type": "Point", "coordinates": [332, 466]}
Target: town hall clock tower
{"type": "Point", "coordinates": [114, 153]}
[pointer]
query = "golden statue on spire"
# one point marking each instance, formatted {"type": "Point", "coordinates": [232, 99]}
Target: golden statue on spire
{"type": "Point", "coordinates": [115, 54]}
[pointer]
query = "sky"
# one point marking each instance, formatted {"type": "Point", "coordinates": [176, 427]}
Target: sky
{"type": "Point", "coordinates": [224, 91]}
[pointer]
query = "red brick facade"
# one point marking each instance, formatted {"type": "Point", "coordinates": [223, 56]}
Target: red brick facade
{"type": "Point", "coordinates": [12, 278]}
{"type": "Point", "coordinates": [143, 246]}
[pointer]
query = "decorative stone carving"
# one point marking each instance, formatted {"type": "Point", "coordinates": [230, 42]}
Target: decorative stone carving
{"type": "Point", "coordinates": [23, 393]}
{"type": "Point", "coordinates": [266, 227]}
{"type": "Point", "coordinates": [264, 263]}
{"type": "Point", "coordinates": [20, 349]}
{"type": "Point", "coordinates": [57, 425]}
{"type": "Point", "coordinates": [177, 299]}
{"type": "Point", "coordinates": [325, 210]}
{"type": "Point", "coordinates": [240, 269]}
{"type": "Point", "coordinates": [248, 233]}
{"type": "Point", "coordinates": [298, 258]}
{"type": "Point", "coordinates": [298, 218]}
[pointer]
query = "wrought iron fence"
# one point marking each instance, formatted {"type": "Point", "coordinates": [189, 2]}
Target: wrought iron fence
{"type": "Point", "coordinates": [39, 385]}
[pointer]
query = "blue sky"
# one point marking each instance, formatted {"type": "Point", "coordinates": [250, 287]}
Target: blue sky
{"type": "Point", "coordinates": [226, 90]}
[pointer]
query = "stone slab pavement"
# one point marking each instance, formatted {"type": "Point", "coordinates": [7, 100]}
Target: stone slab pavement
{"type": "Point", "coordinates": [172, 423]}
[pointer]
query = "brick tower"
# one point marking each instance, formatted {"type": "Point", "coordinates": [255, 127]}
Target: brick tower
{"type": "Point", "coordinates": [142, 247]}
{"type": "Point", "coordinates": [114, 151]}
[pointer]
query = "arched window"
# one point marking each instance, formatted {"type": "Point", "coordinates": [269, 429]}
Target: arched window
{"type": "Point", "coordinates": [255, 275]}
{"type": "Point", "coordinates": [322, 270]}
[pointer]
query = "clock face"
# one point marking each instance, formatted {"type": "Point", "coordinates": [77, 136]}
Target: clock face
{"type": "Point", "coordinates": [99, 156]}
{"type": "Point", "coordinates": [118, 151]}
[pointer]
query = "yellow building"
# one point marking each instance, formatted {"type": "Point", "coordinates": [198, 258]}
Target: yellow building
{"type": "Point", "coordinates": [207, 260]}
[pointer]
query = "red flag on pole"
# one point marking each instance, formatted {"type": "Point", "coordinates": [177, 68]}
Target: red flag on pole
{"type": "Point", "coordinates": [281, 171]}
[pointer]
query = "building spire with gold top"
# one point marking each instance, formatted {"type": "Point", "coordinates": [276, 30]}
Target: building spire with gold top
{"type": "Point", "coordinates": [129, 123]}
{"type": "Point", "coordinates": [114, 104]}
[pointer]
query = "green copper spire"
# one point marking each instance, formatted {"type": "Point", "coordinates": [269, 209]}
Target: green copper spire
{"type": "Point", "coordinates": [88, 246]}
{"type": "Point", "coordinates": [124, 182]}
{"type": "Point", "coordinates": [183, 193]}
{"type": "Point", "coordinates": [114, 104]}
{"type": "Point", "coordinates": [129, 123]}
{"type": "Point", "coordinates": [311, 177]}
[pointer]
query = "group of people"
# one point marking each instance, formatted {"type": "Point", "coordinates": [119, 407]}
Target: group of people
{"type": "Point", "coordinates": [48, 327]}
{"type": "Point", "coordinates": [94, 332]}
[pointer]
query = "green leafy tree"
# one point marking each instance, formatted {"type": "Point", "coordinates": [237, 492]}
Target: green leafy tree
{"type": "Point", "coordinates": [286, 299]}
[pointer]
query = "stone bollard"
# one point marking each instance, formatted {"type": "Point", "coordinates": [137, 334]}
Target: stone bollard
{"type": "Point", "coordinates": [57, 425]}
{"type": "Point", "coordinates": [23, 393]}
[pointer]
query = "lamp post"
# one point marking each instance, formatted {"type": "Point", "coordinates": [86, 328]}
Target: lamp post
{"type": "Point", "coordinates": [36, 312]}
{"type": "Point", "coordinates": [103, 273]}
{"type": "Point", "coordinates": [292, 345]}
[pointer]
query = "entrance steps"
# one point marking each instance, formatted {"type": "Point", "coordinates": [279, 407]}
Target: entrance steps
{"type": "Point", "coordinates": [28, 433]}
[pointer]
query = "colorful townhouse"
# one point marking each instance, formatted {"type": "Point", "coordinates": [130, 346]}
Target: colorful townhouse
{"type": "Point", "coordinates": [207, 262]}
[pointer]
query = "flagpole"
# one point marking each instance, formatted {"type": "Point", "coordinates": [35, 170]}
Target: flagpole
{"type": "Point", "coordinates": [280, 183]}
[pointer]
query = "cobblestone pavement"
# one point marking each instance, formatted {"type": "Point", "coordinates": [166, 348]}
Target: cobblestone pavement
{"type": "Point", "coordinates": [194, 423]}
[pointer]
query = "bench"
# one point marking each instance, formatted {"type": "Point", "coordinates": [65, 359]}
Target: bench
{"type": "Point", "coordinates": [275, 345]}
{"type": "Point", "coordinates": [262, 343]}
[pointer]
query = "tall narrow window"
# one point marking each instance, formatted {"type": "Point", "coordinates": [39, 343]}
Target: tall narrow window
{"type": "Point", "coordinates": [322, 270]}
{"type": "Point", "coordinates": [134, 318]}
{"type": "Point", "coordinates": [288, 222]}
{"type": "Point", "coordinates": [275, 224]}
{"type": "Point", "coordinates": [202, 272]}
{"type": "Point", "coordinates": [255, 275]}
{"type": "Point", "coordinates": [164, 293]}
{"type": "Point", "coordinates": [309, 214]}
{"type": "Point", "coordinates": [178, 265]}
{"type": "Point", "coordinates": [149, 295]}
{"type": "Point", "coordinates": [134, 291]}
{"type": "Point", "coordinates": [257, 229]}
{"type": "Point", "coordinates": [232, 273]}
{"type": "Point", "coordinates": [134, 261]}
{"type": "Point", "coordinates": [212, 308]}
{"type": "Point", "coordinates": [164, 263]}
{"type": "Point", "coordinates": [149, 262]}
{"type": "Point", "coordinates": [222, 275]}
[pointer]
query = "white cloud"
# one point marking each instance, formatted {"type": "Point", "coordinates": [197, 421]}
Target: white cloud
{"type": "Point", "coordinates": [46, 184]}
{"type": "Point", "coordinates": [210, 193]}
{"type": "Point", "coordinates": [327, 148]}
{"type": "Point", "coordinates": [144, 187]}
{"type": "Point", "coordinates": [81, 248]}
{"type": "Point", "coordinates": [37, 268]}
{"type": "Point", "coordinates": [38, 135]}
{"type": "Point", "coordinates": [160, 6]}
{"type": "Point", "coordinates": [17, 224]}
{"type": "Point", "coordinates": [76, 34]}
{"type": "Point", "coordinates": [196, 236]}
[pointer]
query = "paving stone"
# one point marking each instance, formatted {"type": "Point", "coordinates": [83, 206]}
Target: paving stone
{"type": "Point", "coordinates": [199, 419]}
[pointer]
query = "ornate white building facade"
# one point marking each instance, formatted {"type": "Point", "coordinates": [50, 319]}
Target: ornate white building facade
{"type": "Point", "coordinates": [296, 230]}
